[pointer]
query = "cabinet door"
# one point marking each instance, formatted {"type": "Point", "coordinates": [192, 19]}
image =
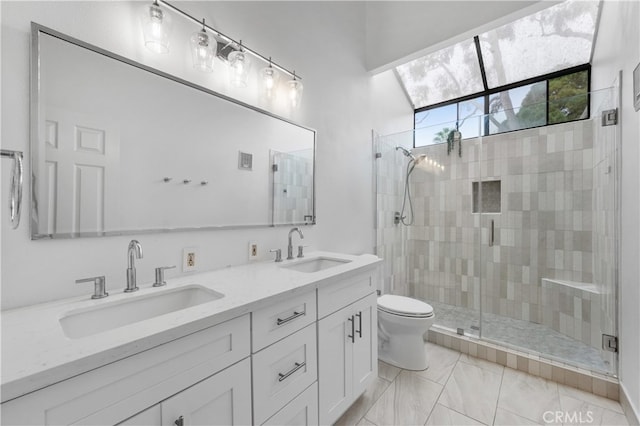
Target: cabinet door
{"type": "Point", "coordinates": [335, 352]}
{"type": "Point", "coordinates": [150, 417]}
{"type": "Point", "coordinates": [222, 399]}
{"type": "Point", "coordinates": [365, 347]}
{"type": "Point", "coordinates": [302, 411]}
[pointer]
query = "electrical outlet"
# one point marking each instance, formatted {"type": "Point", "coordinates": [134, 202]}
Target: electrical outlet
{"type": "Point", "coordinates": [253, 250]}
{"type": "Point", "coordinates": [189, 259]}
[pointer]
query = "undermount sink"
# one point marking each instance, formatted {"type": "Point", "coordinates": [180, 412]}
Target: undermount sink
{"type": "Point", "coordinates": [316, 264]}
{"type": "Point", "coordinates": [93, 320]}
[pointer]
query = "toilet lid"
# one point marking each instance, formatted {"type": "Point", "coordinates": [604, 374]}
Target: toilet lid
{"type": "Point", "coordinates": [405, 306]}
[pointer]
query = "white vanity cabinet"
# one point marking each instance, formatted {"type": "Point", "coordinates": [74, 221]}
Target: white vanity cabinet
{"type": "Point", "coordinates": [284, 359]}
{"type": "Point", "coordinates": [218, 400]}
{"type": "Point", "coordinates": [117, 391]}
{"type": "Point", "coordinates": [300, 354]}
{"type": "Point", "coordinates": [347, 342]}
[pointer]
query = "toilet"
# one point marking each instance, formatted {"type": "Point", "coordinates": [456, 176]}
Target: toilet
{"type": "Point", "coordinates": [402, 322]}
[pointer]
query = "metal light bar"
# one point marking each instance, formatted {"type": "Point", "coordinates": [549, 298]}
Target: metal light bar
{"type": "Point", "coordinates": [227, 38]}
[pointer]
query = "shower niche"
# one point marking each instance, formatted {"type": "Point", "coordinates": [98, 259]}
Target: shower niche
{"type": "Point", "coordinates": [486, 196]}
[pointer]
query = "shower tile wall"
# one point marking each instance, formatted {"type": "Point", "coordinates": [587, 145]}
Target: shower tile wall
{"type": "Point", "coordinates": [390, 238]}
{"type": "Point", "coordinates": [292, 187]}
{"type": "Point", "coordinates": [544, 229]}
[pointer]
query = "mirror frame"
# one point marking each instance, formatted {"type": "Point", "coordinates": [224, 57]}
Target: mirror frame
{"type": "Point", "coordinates": [36, 30]}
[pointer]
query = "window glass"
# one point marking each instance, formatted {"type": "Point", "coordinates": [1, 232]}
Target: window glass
{"type": "Point", "coordinates": [470, 117]}
{"type": "Point", "coordinates": [447, 74]}
{"type": "Point", "coordinates": [518, 108]}
{"type": "Point", "coordinates": [553, 39]}
{"type": "Point", "coordinates": [432, 126]}
{"type": "Point", "coordinates": [568, 97]}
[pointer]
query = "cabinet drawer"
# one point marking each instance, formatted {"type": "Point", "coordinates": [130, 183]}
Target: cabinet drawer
{"type": "Point", "coordinates": [302, 411]}
{"type": "Point", "coordinates": [119, 390]}
{"type": "Point", "coordinates": [279, 320]}
{"type": "Point", "coordinates": [334, 297]}
{"type": "Point", "coordinates": [282, 371]}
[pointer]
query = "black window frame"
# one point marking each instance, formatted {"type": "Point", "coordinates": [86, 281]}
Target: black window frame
{"type": "Point", "coordinates": [492, 91]}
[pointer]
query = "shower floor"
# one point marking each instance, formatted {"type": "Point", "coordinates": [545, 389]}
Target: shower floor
{"type": "Point", "coordinates": [529, 336]}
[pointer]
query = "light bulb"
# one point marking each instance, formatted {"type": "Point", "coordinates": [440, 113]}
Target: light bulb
{"type": "Point", "coordinates": [295, 92]}
{"type": "Point", "coordinates": [239, 68]}
{"type": "Point", "coordinates": [203, 50]}
{"type": "Point", "coordinates": [269, 81]}
{"type": "Point", "coordinates": [156, 26]}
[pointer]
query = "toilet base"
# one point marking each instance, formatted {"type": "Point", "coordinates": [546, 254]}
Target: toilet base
{"type": "Point", "coordinates": [408, 352]}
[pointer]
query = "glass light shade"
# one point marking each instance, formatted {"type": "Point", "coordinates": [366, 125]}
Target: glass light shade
{"type": "Point", "coordinates": [269, 81]}
{"type": "Point", "coordinates": [239, 66]}
{"type": "Point", "coordinates": [295, 92]}
{"type": "Point", "coordinates": [203, 50]}
{"type": "Point", "coordinates": [156, 26]}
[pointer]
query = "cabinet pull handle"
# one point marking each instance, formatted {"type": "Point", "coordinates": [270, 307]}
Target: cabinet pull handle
{"type": "Point", "coordinates": [359, 331]}
{"type": "Point", "coordinates": [352, 336]}
{"type": "Point", "coordinates": [297, 367]}
{"type": "Point", "coordinates": [179, 422]}
{"type": "Point", "coordinates": [292, 317]}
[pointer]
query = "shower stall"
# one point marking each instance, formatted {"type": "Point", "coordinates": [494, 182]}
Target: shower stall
{"type": "Point", "coordinates": [513, 235]}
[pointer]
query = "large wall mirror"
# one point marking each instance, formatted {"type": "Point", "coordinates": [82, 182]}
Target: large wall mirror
{"type": "Point", "coordinates": [120, 148]}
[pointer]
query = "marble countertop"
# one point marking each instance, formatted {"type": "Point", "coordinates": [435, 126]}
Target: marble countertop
{"type": "Point", "coordinates": [36, 352]}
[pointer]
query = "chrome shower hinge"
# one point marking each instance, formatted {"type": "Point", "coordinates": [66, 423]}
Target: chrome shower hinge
{"type": "Point", "coordinates": [610, 117]}
{"type": "Point", "coordinates": [610, 343]}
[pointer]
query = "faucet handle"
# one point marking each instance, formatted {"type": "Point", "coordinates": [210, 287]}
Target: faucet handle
{"type": "Point", "coordinates": [160, 275]}
{"type": "Point", "coordinates": [278, 253]}
{"type": "Point", "coordinates": [301, 251]}
{"type": "Point", "coordinates": [99, 289]}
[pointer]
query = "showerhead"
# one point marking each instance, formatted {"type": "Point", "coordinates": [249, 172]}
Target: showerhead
{"type": "Point", "coordinates": [405, 151]}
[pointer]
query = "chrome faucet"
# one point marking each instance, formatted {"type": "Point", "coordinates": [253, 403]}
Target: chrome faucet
{"type": "Point", "coordinates": [133, 251]}
{"type": "Point", "coordinates": [290, 246]}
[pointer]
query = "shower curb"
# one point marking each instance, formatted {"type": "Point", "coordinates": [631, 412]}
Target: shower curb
{"type": "Point", "coordinates": [582, 379]}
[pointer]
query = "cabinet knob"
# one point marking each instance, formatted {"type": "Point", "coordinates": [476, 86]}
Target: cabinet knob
{"type": "Point", "coordinates": [179, 421]}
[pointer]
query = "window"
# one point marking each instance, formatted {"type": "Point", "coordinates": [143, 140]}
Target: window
{"type": "Point", "coordinates": [553, 39]}
{"type": "Point", "coordinates": [532, 72]}
{"type": "Point", "coordinates": [569, 97]}
{"type": "Point", "coordinates": [553, 99]}
{"type": "Point", "coordinates": [446, 74]}
{"type": "Point", "coordinates": [518, 108]}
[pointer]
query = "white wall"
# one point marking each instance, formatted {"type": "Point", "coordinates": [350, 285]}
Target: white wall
{"type": "Point", "coordinates": [618, 48]}
{"type": "Point", "coordinates": [323, 41]}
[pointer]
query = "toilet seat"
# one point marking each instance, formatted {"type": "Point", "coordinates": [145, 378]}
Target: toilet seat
{"type": "Point", "coordinates": [404, 306]}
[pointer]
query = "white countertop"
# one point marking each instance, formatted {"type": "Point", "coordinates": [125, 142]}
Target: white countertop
{"type": "Point", "coordinates": [36, 353]}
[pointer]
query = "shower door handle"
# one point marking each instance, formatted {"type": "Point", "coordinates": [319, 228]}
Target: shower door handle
{"type": "Point", "coordinates": [492, 234]}
{"type": "Point", "coordinates": [352, 336]}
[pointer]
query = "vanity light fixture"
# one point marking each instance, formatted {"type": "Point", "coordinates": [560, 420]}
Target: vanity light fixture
{"type": "Point", "coordinates": [239, 65]}
{"type": "Point", "coordinates": [156, 26]}
{"type": "Point", "coordinates": [295, 91]}
{"type": "Point", "coordinates": [269, 81]}
{"type": "Point", "coordinates": [203, 49]}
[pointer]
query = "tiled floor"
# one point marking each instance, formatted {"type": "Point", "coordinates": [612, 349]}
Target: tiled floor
{"type": "Point", "coordinates": [458, 389]}
{"type": "Point", "coordinates": [524, 334]}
